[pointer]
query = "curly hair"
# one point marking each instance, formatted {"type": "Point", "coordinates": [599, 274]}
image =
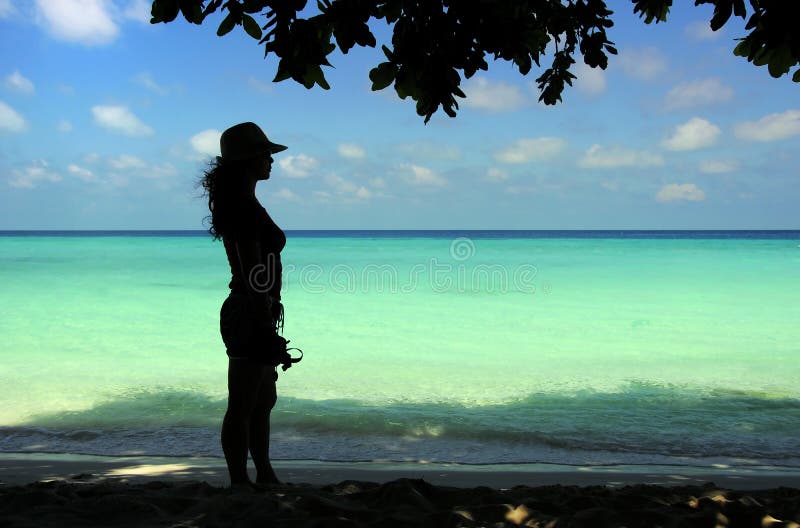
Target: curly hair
{"type": "Point", "coordinates": [223, 185]}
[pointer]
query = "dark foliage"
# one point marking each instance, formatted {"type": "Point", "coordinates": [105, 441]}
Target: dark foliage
{"type": "Point", "coordinates": [435, 42]}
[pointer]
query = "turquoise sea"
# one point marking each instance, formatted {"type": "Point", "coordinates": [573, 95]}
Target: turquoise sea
{"type": "Point", "coordinates": [477, 347]}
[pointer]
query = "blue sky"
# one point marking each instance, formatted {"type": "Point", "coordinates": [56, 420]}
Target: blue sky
{"type": "Point", "coordinates": [106, 120]}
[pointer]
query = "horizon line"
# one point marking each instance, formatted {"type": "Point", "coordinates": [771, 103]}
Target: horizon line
{"type": "Point", "coordinates": [149, 230]}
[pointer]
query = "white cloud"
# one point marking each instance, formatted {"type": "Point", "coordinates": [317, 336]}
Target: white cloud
{"type": "Point", "coordinates": [695, 134]}
{"type": "Point", "coordinates": [378, 183]}
{"type": "Point", "coordinates": [772, 127]}
{"type": "Point", "coordinates": [496, 175]}
{"type": "Point", "coordinates": [82, 173]}
{"type": "Point", "coordinates": [161, 176]}
{"type": "Point", "coordinates": [322, 196]}
{"type": "Point", "coordinates": [492, 96]}
{"type": "Point", "coordinates": [299, 166]}
{"type": "Point", "coordinates": [680, 191]}
{"type": "Point", "coordinates": [418, 175]}
{"type": "Point", "coordinates": [591, 81]}
{"type": "Point", "coordinates": [644, 64]}
{"type": "Point", "coordinates": [527, 150]}
{"type": "Point", "coordinates": [340, 184]}
{"type": "Point", "coordinates": [126, 162]}
{"type": "Point", "coordinates": [160, 172]}
{"type": "Point", "coordinates": [718, 166]}
{"type": "Point", "coordinates": [6, 8]}
{"type": "Point", "coordinates": [351, 151]}
{"type": "Point", "coordinates": [701, 30]}
{"type": "Point", "coordinates": [206, 142]}
{"type": "Point", "coordinates": [598, 157]}
{"type": "Point", "coordinates": [84, 21]}
{"type": "Point", "coordinates": [17, 82]}
{"type": "Point", "coordinates": [697, 93]}
{"type": "Point", "coordinates": [286, 194]}
{"type": "Point", "coordinates": [138, 10]}
{"type": "Point", "coordinates": [10, 119]}
{"type": "Point", "coordinates": [522, 189]}
{"type": "Point", "coordinates": [120, 119]}
{"type": "Point", "coordinates": [31, 176]}
{"type": "Point", "coordinates": [64, 126]}
{"type": "Point", "coordinates": [146, 80]}
{"type": "Point", "coordinates": [119, 171]}
{"type": "Point", "coordinates": [345, 189]}
{"type": "Point", "coordinates": [430, 151]}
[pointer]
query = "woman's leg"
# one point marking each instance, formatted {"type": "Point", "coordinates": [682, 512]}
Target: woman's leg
{"type": "Point", "coordinates": [244, 380]}
{"type": "Point", "coordinates": [259, 429]}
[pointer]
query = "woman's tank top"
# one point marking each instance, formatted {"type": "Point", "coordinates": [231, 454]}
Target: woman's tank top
{"type": "Point", "coordinates": [250, 221]}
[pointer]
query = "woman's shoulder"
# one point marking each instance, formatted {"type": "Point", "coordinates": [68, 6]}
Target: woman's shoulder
{"type": "Point", "coordinates": [246, 209]}
{"type": "Point", "coordinates": [242, 220]}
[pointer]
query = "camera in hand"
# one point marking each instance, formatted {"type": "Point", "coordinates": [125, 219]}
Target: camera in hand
{"type": "Point", "coordinates": [276, 352]}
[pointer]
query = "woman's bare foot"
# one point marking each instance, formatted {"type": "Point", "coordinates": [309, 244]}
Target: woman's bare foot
{"type": "Point", "coordinates": [268, 477]}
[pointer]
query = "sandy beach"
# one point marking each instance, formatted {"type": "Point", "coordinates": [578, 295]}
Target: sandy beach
{"type": "Point", "coordinates": [62, 490]}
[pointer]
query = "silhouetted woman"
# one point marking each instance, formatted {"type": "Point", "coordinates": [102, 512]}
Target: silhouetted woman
{"type": "Point", "coordinates": [253, 243]}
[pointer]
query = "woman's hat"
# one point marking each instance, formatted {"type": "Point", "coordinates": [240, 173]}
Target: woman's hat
{"type": "Point", "coordinates": [246, 140]}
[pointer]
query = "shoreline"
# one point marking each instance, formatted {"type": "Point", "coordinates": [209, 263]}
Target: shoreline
{"type": "Point", "coordinates": [23, 468]}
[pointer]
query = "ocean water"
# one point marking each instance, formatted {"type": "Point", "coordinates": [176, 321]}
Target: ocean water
{"type": "Point", "coordinates": [466, 347]}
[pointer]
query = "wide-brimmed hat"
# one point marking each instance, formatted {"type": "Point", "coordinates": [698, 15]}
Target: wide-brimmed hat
{"type": "Point", "coordinates": [246, 140]}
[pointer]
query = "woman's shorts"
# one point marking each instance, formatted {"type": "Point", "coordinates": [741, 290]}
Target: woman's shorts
{"type": "Point", "coordinates": [237, 325]}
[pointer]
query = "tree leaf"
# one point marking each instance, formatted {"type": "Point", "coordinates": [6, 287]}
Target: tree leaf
{"type": "Point", "coordinates": [210, 8]}
{"type": "Point", "coordinates": [253, 6]}
{"type": "Point", "coordinates": [192, 11]}
{"type": "Point", "coordinates": [762, 57]}
{"type": "Point", "coordinates": [722, 13]}
{"type": "Point", "coordinates": [251, 26]}
{"type": "Point", "coordinates": [164, 11]}
{"type": "Point", "coordinates": [796, 76]}
{"type": "Point", "coordinates": [742, 49]}
{"type": "Point", "coordinates": [739, 9]}
{"type": "Point", "coordinates": [319, 78]}
{"type": "Point", "coordinates": [226, 25]}
{"type": "Point", "coordinates": [382, 76]}
{"type": "Point", "coordinates": [405, 87]}
{"type": "Point", "coordinates": [282, 74]}
{"type": "Point", "coordinates": [781, 61]}
{"type": "Point", "coordinates": [313, 76]}
{"type": "Point", "coordinates": [369, 40]}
